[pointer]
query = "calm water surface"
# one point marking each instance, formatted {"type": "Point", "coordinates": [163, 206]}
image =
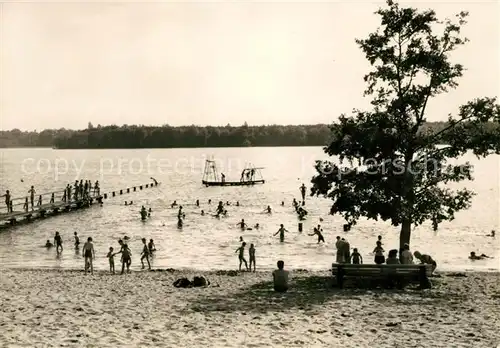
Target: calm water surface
{"type": "Point", "coordinates": [209, 243]}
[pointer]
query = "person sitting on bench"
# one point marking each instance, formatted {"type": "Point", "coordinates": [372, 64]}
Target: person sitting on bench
{"type": "Point", "coordinates": [280, 278]}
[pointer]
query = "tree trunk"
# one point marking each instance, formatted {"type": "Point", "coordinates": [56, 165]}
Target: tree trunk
{"type": "Point", "coordinates": [404, 236]}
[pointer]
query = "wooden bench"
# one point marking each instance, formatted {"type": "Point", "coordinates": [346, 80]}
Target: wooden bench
{"type": "Point", "coordinates": [398, 275]}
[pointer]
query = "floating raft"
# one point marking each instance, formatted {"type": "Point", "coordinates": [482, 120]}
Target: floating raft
{"type": "Point", "coordinates": [232, 183]}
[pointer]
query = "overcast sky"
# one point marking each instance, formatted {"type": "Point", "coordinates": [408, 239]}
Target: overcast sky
{"type": "Point", "coordinates": [65, 64]}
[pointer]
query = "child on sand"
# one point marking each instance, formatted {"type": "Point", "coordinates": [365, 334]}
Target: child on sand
{"type": "Point", "coordinates": [356, 258]}
{"type": "Point", "coordinates": [88, 255]}
{"type": "Point", "coordinates": [251, 253]}
{"type": "Point", "coordinates": [241, 255]}
{"type": "Point", "coordinates": [111, 258]}
{"type": "Point", "coordinates": [145, 254]}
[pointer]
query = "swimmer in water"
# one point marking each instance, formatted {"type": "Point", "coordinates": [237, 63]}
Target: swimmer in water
{"type": "Point", "coordinates": [237, 203]}
{"type": "Point", "coordinates": [174, 204]}
{"type": "Point", "coordinates": [317, 232]}
{"type": "Point", "coordinates": [282, 203]}
{"type": "Point", "coordinates": [242, 224]}
{"type": "Point", "coordinates": [126, 203]}
{"type": "Point", "coordinates": [256, 226]}
{"type": "Point", "coordinates": [58, 242]}
{"type": "Point", "coordinates": [202, 213]}
{"type": "Point", "coordinates": [281, 232]}
{"type": "Point", "coordinates": [48, 244]}
{"type": "Point", "coordinates": [209, 201]}
{"type": "Point", "coordinates": [197, 202]}
{"type": "Point", "coordinates": [268, 210]}
{"type": "Point", "coordinates": [492, 234]}
{"type": "Point", "coordinates": [473, 256]}
{"type": "Point", "coordinates": [241, 255]}
{"type": "Point", "coordinates": [179, 222]}
{"type": "Point", "coordinates": [131, 202]}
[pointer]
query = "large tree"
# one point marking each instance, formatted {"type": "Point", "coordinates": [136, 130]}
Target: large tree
{"type": "Point", "coordinates": [388, 168]}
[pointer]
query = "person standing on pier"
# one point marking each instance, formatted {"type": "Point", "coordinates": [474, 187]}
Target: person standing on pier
{"type": "Point", "coordinates": [7, 201]}
{"type": "Point", "coordinates": [76, 190]}
{"type": "Point", "coordinates": [32, 192]}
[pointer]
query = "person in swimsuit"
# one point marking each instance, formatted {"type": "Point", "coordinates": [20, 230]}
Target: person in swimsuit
{"type": "Point", "coordinates": [241, 255]}
{"type": "Point", "coordinates": [58, 242]}
{"type": "Point", "coordinates": [242, 224]}
{"type": "Point", "coordinates": [268, 210]}
{"type": "Point", "coordinates": [151, 247]}
{"type": "Point", "coordinates": [88, 255]}
{"type": "Point", "coordinates": [77, 240]}
{"type": "Point", "coordinates": [126, 257]}
{"type": "Point", "coordinates": [303, 192]}
{"type": "Point", "coordinates": [379, 254]}
{"type": "Point", "coordinates": [48, 245]}
{"type": "Point", "coordinates": [281, 232]}
{"type": "Point", "coordinates": [317, 232]}
{"type": "Point", "coordinates": [145, 254]}
{"type": "Point", "coordinates": [111, 258]}
{"type": "Point", "coordinates": [251, 254]}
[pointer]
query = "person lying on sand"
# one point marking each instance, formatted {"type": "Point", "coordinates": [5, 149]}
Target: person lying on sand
{"type": "Point", "coordinates": [473, 256]}
{"type": "Point", "coordinates": [317, 232]}
{"type": "Point", "coordinates": [280, 278]}
{"type": "Point", "coordinates": [48, 245]}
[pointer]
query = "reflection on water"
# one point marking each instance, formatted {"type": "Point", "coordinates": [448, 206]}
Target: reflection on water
{"type": "Point", "coordinates": [209, 243]}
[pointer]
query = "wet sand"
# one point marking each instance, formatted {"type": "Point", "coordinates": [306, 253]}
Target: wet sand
{"type": "Point", "coordinates": [68, 308]}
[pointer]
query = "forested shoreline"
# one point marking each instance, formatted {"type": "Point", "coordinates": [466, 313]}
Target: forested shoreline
{"type": "Point", "coordinates": [132, 136]}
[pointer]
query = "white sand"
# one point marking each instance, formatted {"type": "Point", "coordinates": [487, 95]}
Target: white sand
{"type": "Point", "coordinates": [67, 308]}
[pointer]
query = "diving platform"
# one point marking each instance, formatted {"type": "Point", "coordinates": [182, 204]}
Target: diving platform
{"type": "Point", "coordinates": [250, 176]}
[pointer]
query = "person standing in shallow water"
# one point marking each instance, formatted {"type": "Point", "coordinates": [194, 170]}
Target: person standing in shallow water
{"type": "Point", "coordinates": [251, 253]}
{"type": "Point", "coordinates": [303, 192]}
{"type": "Point", "coordinates": [88, 255]}
{"type": "Point", "coordinates": [241, 255]}
{"type": "Point", "coordinates": [145, 254]}
{"type": "Point", "coordinates": [58, 242]}
{"type": "Point", "coordinates": [281, 232]}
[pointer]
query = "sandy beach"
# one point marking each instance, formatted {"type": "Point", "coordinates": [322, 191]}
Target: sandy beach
{"type": "Point", "coordinates": [68, 308]}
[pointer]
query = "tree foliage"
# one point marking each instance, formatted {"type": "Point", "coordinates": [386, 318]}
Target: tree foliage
{"type": "Point", "coordinates": [175, 137]}
{"type": "Point", "coordinates": [387, 168]}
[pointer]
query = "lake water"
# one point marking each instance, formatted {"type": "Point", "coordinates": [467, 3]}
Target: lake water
{"type": "Point", "coordinates": [209, 243]}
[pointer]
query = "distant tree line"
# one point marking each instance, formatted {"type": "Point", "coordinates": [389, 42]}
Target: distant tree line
{"type": "Point", "coordinates": [132, 136]}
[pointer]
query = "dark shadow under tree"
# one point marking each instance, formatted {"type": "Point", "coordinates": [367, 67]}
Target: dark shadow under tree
{"type": "Point", "coordinates": [388, 168]}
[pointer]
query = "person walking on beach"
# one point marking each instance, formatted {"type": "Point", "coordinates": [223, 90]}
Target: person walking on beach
{"type": "Point", "coordinates": [111, 258]}
{"type": "Point", "coordinates": [251, 254]}
{"type": "Point", "coordinates": [7, 201]}
{"type": "Point", "coordinates": [241, 255]}
{"type": "Point", "coordinates": [88, 255]}
{"type": "Point", "coordinates": [58, 242]}
{"type": "Point", "coordinates": [32, 192]}
{"type": "Point", "coordinates": [145, 254]}
{"type": "Point", "coordinates": [317, 232]}
{"type": "Point", "coordinates": [281, 232]}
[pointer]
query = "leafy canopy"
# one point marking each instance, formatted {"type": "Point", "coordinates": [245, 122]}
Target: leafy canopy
{"type": "Point", "coordinates": [389, 168]}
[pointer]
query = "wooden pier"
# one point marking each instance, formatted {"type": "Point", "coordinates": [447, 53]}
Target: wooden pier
{"type": "Point", "coordinates": [54, 203]}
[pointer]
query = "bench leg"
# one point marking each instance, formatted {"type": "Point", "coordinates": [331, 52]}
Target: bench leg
{"type": "Point", "coordinates": [340, 277]}
{"type": "Point", "coordinates": [424, 281]}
